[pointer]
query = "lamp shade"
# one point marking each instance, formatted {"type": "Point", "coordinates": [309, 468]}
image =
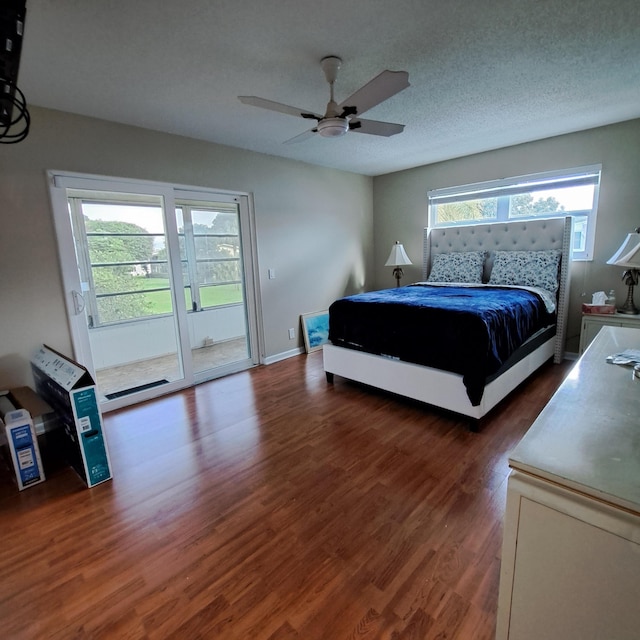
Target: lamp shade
{"type": "Point", "coordinates": [628, 255]}
{"type": "Point", "coordinates": [397, 256]}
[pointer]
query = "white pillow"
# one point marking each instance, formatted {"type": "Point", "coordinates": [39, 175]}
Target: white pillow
{"type": "Point", "coordinates": [457, 266]}
{"type": "Point", "coordinates": [527, 268]}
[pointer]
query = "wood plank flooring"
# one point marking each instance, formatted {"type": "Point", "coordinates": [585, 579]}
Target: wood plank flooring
{"type": "Point", "coordinates": [270, 505]}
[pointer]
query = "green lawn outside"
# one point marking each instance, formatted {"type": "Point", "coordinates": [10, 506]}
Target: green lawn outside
{"type": "Point", "coordinates": [160, 301]}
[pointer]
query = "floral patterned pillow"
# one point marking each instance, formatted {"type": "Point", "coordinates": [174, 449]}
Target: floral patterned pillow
{"type": "Point", "coordinates": [457, 266]}
{"type": "Point", "coordinates": [527, 268]}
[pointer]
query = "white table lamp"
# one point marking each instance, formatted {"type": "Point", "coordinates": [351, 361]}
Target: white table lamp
{"type": "Point", "coordinates": [628, 257]}
{"type": "Point", "coordinates": [397, 257]}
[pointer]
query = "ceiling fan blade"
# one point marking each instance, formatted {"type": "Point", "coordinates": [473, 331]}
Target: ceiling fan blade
{"type": "Point", "coordinates": [305, 135]}
{"type": "Point", "coordinates": [254, 101]}
{"type": "Point", "coordinates": [381, 88]}
{"type": "Point", "coordinates": [375, 127]}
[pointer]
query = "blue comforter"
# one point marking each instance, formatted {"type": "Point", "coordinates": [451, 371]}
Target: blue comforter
{"type": "Point", "coordinates": [467, 330]}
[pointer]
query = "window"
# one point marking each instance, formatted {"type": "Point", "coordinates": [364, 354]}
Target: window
{"type": "Point", "coordinates": [571, 192]}
{"type": "Point", "coordinates": [119, 242]}
{"type": "Point", "coordinates": [122, 249]}
{"type": "Point", "coordinates": [210, 253]}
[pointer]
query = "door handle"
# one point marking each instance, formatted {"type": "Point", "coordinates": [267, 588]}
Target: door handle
{"type": "Point", "coordinates": [78, 302]}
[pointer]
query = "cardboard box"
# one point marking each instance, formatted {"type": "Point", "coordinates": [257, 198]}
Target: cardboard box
{"type": "Point", "coordinates": [600, 309]}
{"type": "Point", "coordinates": [69, 388]}
{"type": "Point", "coordinates": [42, 415]}
{"type": "Point", "coordinates": [22, 447]}
{"type": "Point", "coordinates": [42, 419]}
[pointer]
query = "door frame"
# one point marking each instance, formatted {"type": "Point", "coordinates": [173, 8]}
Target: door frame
{"type": "Point", "coordinates": [59, 181]}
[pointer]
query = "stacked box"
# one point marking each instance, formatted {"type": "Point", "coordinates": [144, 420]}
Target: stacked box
{"type": "Point", "coordinates": [69, 388]}
{"type": "Point", "coordinates": [42, 415]}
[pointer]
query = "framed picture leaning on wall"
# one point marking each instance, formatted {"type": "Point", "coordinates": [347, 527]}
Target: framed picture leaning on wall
{"type": "Point", "coordinates": [315, 329]}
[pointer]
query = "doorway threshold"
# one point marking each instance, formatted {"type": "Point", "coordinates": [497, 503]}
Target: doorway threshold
{"type": "Point", "coordinates": [142, 387]}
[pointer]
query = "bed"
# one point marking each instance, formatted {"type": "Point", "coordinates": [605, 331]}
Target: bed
{"type": "Point", "coordinates": [393, 365]}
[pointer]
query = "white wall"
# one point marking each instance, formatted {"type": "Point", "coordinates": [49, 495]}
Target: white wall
{"type": "Point", "coordinates": [314, 225]}
{"type": "Point", "coordinates": [400, 202]}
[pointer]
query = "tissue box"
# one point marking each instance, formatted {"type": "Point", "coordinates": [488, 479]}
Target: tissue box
{"type": "Point", "coordinates": [600, 309]}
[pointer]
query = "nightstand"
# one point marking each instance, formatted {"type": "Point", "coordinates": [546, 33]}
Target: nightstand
{"type": "Point", "coordinates": [593, 322]}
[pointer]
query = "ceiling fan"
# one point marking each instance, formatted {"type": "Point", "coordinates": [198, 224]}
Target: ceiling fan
{"type": "Point", "coordinates": [343, 117]}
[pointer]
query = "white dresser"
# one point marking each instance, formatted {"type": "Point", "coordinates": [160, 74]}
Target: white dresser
{"type": "Point", "coordinates": [571, 549]}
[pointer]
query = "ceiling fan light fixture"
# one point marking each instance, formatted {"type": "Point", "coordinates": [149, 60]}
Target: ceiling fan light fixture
{"type": "Point", "coordinates": [338, 119]}
{"type": "Point", "coordinates": [333, 127]}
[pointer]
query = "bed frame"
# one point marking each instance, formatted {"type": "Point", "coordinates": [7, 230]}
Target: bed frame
{"type": "Point", "coordinates": [442, 388]}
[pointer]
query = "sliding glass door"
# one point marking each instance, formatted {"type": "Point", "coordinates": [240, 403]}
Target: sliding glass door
{"type": "Point", "coordinates": [212, 264]}
{"type": "Point", "coordinates": [123, 261]}
{"type": "Point", "coordinates": [160, 291]}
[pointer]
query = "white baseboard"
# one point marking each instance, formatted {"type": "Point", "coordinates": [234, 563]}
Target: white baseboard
{"type": "Point", "coordinates": [283, 356]}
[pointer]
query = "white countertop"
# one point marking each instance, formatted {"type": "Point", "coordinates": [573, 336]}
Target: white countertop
{"type": "Point", "coordinates": [587, 438]}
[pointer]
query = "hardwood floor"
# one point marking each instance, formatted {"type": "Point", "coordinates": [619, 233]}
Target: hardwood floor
{"type": "Point", "coordinates": [271, 505]}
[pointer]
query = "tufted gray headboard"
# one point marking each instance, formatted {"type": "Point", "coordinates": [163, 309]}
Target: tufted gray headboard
{"type": "Point", "coordinates": [518, 235]}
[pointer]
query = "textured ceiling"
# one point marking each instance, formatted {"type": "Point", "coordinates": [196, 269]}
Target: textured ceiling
{"type": "Point", "coordinates": [483, 75]}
